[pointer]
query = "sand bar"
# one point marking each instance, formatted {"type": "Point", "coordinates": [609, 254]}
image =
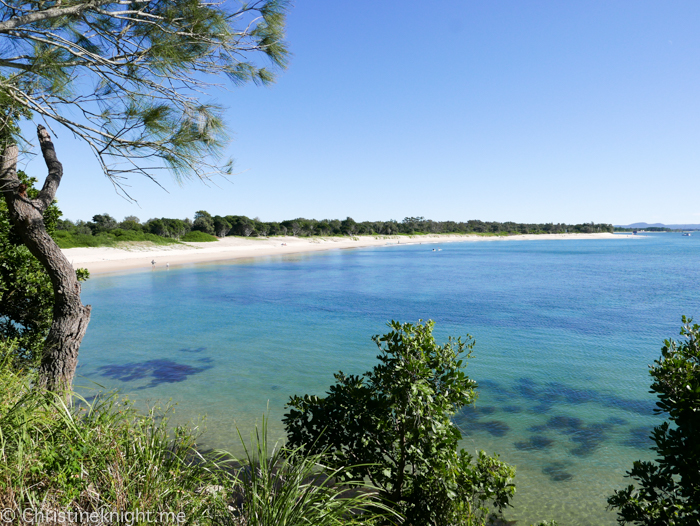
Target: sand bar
{"type": "Point", "coordinates": [138, 256]}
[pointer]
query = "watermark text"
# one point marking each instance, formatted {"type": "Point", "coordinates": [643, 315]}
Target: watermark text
{"type": "Point", "coordinates": [102, 516]}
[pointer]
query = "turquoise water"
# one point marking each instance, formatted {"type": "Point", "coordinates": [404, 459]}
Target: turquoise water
{"type": "Point", "coordinates": [564, 329]}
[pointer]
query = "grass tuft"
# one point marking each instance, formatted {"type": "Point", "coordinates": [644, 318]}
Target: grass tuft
{"type": "Point", "coordinates": [286, 486]}
{"type": "Point", "coordinates": [103, 456]}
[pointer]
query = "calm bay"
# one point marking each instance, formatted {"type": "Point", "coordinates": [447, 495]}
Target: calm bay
{"type": "Point", "coordinates": [564, 329]}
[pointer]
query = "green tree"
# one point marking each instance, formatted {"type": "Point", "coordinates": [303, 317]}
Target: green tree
{"type": "Point", "coordinates": [292, 226]}
{"type": "Point", "coordinates": [102, 223]}
{"type": "Point", "coordinates": [392, 425]}
{"type": "Point", "coordinates": [221, 226]}
{"type": "Point", "coordinates": [241, 225]}
{"type": "Point", "coordinates": [203, 222]}
{"type": "Point", "coordinates": [131, 223]}
{"type": "Point", "coordinates": [82, 228]}
{"type": "Point", "coordinates": [156, 226]}
{"type": "Point", "coordinates": [176, 228]}
{"type": "Point", "coordinates": [274, 228]}
{"type": "Point", "coordinates": [348, 226]}
{"type": "Point", "coordinates": [261, 229]}
{"type": "Point", "coordinates": [128, 78]}
{"type": "Point", "coordinates": [668, 490]}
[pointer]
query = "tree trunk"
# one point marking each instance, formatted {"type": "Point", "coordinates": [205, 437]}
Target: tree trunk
{"type": "Point", "coordinates": [70, 317]}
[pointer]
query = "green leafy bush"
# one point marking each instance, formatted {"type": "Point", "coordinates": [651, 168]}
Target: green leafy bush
{"type": "Point", "coordinates": [68, 239]}
{"type": "Point", "coordinates": [195, 236]}
{"type": "Point", "coordinates": [392, 426]}
{"type": "Point", "coordinates": [668, 490]}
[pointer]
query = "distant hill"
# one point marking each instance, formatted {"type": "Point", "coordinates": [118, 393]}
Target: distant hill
{"type": "Point", "coordinates": [642, 226]}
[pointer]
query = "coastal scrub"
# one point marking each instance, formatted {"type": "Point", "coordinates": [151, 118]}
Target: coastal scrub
{"type": "Point", "coordinates": [104, 456]}
{"type": "Point", "coordinates": [392, 426]}
{"type": "Point", "coordinates": [667, 491]}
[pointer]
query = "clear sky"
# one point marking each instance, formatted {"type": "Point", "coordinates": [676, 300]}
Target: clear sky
{"type": "Point", "coordinates": [538, 111]}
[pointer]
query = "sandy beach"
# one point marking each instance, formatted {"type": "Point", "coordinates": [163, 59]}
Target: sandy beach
{"type": "Point", "coordinates": [138, 256]}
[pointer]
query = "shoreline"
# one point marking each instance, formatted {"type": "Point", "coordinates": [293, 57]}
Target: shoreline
{"type": "Point", "coordinates": [136, 257]}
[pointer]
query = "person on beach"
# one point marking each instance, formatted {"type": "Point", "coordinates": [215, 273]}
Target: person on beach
{"type": "Point", "coordinates": [167, 266]}
{"type": "Point", "coordinates": [153, 264]}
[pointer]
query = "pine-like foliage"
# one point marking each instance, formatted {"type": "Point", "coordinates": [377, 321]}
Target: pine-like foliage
{"type": "Point", "coordinates": [130, 76]}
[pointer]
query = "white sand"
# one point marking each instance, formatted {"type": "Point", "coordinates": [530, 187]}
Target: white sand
{"type": "Point", "coordinates": [138, 256]}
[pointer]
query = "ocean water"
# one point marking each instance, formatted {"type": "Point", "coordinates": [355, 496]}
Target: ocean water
{"type": "Point", "coordinates": [565, 331]}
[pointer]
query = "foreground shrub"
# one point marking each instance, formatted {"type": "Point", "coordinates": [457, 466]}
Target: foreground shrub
{"type": "Point", "coordinates": [668, 489]}
{"type": "Point", "coordinates": [392, 426]}
{"type": "Point", "coordinates": [99, 456]}
{"type": "Point", "coordinates": [104, 457]}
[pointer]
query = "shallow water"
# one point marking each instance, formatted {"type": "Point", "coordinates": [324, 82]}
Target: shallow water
{"type": "Point", "coordinates": [565, 331]}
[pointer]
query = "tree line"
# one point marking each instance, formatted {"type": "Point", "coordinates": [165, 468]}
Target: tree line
{"type": "Point", "coordinates": [239, 225]}
{"type": "Point", "coordinates": [647, 229]}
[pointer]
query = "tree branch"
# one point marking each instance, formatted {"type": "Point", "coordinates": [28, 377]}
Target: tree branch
{"type": "Point", "coordinates": [53, 179]}
{"type": "Point", "coordinates": [151, 63]}
{"type": "Point", "coordinates": [8, 170]}
{"type": "Point", "coordinates": [16, 65]}
{"type": "Point", "coordinates": [54, 12]}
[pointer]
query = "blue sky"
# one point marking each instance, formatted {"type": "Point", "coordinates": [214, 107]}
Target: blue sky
{"type": "Point", "coordinates": [532, 111]}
